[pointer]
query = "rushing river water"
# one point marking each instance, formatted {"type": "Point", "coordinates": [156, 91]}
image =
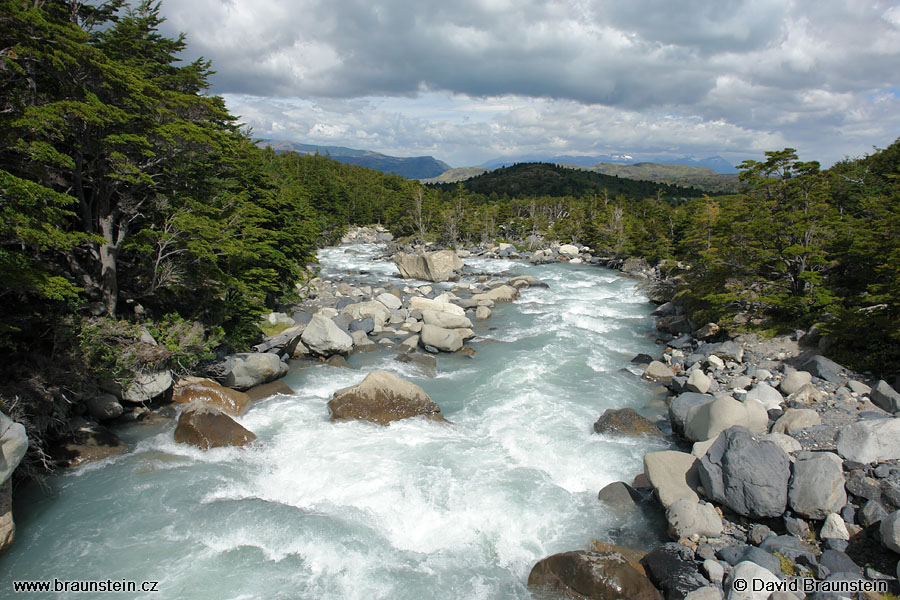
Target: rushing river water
{"type": "Point", "coordinates": [320, 510]}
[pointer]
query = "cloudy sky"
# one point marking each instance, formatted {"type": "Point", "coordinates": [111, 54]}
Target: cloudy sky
{"type": "Point", "coordinates": [470, 80]}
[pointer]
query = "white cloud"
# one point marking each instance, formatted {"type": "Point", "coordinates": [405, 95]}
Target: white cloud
{"type": "Point", "coordinates": [726, 76]}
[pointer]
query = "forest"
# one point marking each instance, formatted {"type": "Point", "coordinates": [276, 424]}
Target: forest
{"type": "Point", "coordinates": [131, 199]}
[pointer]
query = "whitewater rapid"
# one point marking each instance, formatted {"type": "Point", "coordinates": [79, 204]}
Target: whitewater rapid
{"type": "Point", "coordinates": [352, 510]}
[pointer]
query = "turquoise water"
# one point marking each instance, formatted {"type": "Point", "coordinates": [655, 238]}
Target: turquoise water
{"type": "Point", "coordinates": [415, 510]}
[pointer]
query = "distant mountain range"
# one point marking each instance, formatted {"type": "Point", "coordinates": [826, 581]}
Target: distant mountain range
{"type": "Point", "coordinates": [716, 163]}
{"type": "Point", "coordinates": [415, 167]}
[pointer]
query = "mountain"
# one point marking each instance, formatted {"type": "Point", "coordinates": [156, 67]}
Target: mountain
{"type": "Point", "coordinates": [716, 163]}
{"type": "Point", "coordinates": [414, 167]}
{"type": "Point", "coordinates": [524, 180]}
{"type": "Point", "coordinates": [454, 175]}
{"type": "Point", "coordinates": [703, 178]}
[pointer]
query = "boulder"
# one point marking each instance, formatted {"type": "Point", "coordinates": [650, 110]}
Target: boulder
{"type": "Point", "coordinates": [253, 368]}
{"type": "Point", "coordinates": [890, 531]}
{"type": "Point", "coordinates": [382, 398]}
{"type": "Point", "coordinates": [423, 304]}
{"type": "Point", "coordinates": [824, 368]}
{"type": "Point", "coordinates": [766, 395]}
{"type": "Point", "coordinates": [447, 340]}
{"type": "Point", "coordinates": [229, 401]}
{"type": "Point", "coordinates": [445, 320]}
{"type": "Point", "coordinates": [725, 350]}
{"type": "Point", "coordinates": [834, 528]}
{"type": "Point", "coordinates": [379, 313]}
{"type": "Point", "coordinates": [208, 427]}
{"type": "Point", "coordinates": [706, 421]}
{"type": "Point", "coordinates": [266, 390]}
{"type": "Point", "coordinates": [104, 406]}
{"type": "Point", "coordinates": [144, 387]}
{"type": "Point", "coordinates": [568, 250]}
{"type": "Point", "coordinates": [323, 337]}
{"type": "Point", "coordinates": [619, 496]}
{"type": "Point", "coordinates": [885, 397]}
{"type": "Point", "coordinates": [698, 382]}
{"type": "Point", "coordinates": [708, 331]}
{"type": "Point", "coordinates": [673, 475]}
{"type": "Point", "coordinates": [671, 568]}
{"type": "Point", "coordinates": [785, 442]}
{"type": "Point", "coordinates": [745, 474]}
{"type": "Point", "coordinates": [503, 293]}
{"type": "Point", "coordinates": [366, 325]}
{"type": "Point", "coordinates": [796, 418]}
{"type": "Point", "coordinates": [7, 525]}
{"type": "Point", "coordinates": [687, 518]}
{"type": "Point", "coordinates": [681, 406]}
{"type": "Point", "coordinates": [625, 421]}
{"type": "Point", "coordinates": [658, 371]}
{"type": "Point", "coordinates": [817, 485]}
{"type": "Point", "coordinates": [748, 573]}
{"type": "Point", "coordinates": [793, 381]}
{"type": "Point", "coordinates": [592, 575]}
{"type": "Point", "coordinates": [442, 265]}
{"type": "Point", "coordinates": [873, 440]}
{"type": "Point", "coordinates": [13, 446]}
{"type": "Point", "coordinates": [390, 301]}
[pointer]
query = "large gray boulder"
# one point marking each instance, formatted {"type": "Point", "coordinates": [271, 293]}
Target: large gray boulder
{"type": "Point", "coordinates": [687, 518]}
{"type": "Point", "coordinates": [446, 320]}
{"type": "Point", "coordinates": [890, 531]}
{"type": "Point", "coordinates": [681, 406]}
{"type": "Point", "coordinates": [503, 293]}
{"type": "Point", "coordinates": [793, 381]}
{"type": "Point", "coordinates": [446, 340]}
{"type": "Point", "coordinates": [673, 475]}
{"type": "Point", "coordinates": [824, 368]}
{"type": "Point", "coordinates": [13, 446]}
{"type": "Point", "coordinates": [870, 441]}
{"type": "Point", "coordinates": [249, 369]}
{"type": "Point", "coordinates": [745, 474]}
{"type": "Point", "coordinates": [658, 371]}
{"type": "Point", "coordinates": [371, 308]}
{"type": "Point", "coordinates": [324, 337]}
{"type": "Point", "coordinates": [817, 485]}
{"type": "Point", "coordinates": [143, 387]}
{"type": "Point", "coordinates": [443, 265]}
{"type": "Point", "coordinates": [706, 421]}
{"type": "Point", "coordinates": [885, 397]}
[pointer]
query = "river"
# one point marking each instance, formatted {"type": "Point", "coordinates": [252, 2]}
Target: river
{"type": "Point", "coordinates": [350, 510]}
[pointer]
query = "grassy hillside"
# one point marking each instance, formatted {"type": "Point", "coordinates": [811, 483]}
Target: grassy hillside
{"type": "Point", "coordinates": [699, 177]}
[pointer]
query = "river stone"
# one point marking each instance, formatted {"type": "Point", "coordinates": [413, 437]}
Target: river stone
{"type": "Point", "coordinates": [869, 441]}
{"type": "Point", "coordinates": [208, 427]}
{"type": "Point", "coordinates": [725, 350]}
{"type": "Point", "coordinates": [673, 475]}
{"type": "Point", "coordinates": [323, 337]}
{"type": "Point", "coordinates": [747, 475]}
{"type": "Point", "coordinates": [104, 406]}
{"type": "Point", "coordinates": [382, 398]}
{"type": "Point", "coordinates": [785, 442]}
{"type": "Point", "coordinates": [706, 421]}
{"type": "Point", "coordinates": [890, 531]}
{"type": "Point", "coordinates": [625, 421]}
{"type": "Point", "coordinates": [568, 250]}
{"type": "Point", "coordinates": [749, 572]}
{"type": "Point", "coordinates": [687, 518]}
{"type": "Point", "coordinates": [447, 340]}
{"type": "Point", "coordinates": [817, 485]}
{"type": "Point", "coordinates": [671, 568]}
{"type": "Point", "coordinates": [390, 301]}
{"type": "Point", "coordinates": [442, 265]}
{"type": "Point", "coordinates": [885, 397]}
{"type": "Point", "coordinates": [698, 382]}
{"type": "Point", "coordinates": [834, 528]}
{"type": "Point", "coordinates": [658, 371]}
{"type": "Point", "coordinates": [619, 496]}
{"type": "Point", "coordinates": [503, 293]}
{"type": "Point", "coordinates": [796, 418]}
{"type": "Point", "coordinates": [250, 369]}
{"type": "Point", "coordinates": [379, 313]}
{"type": "Point", "coordinates": [445, 320]}
{"type": "Point", "coordinates": [680, 406]}
{"type": "Point", "coordinates": [592, 575]}
{"type": "Point", "coordinates": [824, 368]}
{"type": "Point", "coordinates": [366, 325]}
{"type": "Point", "coordinates": [231, 402]}
{"type": "Point", "coordinates": [482, 313]}
{"type": "Point", "coordinates": [144, 387]}
{"type": "Point", "coordinates": [793, 381]}
{"type": "Point", "coordinates": [766, 395]}
{"type": "Point", "coordinates": [13, 446]}
{"type": "Point", "coordinates": [423, 304]}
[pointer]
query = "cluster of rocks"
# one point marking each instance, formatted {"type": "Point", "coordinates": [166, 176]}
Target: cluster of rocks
{"type": "Point", "coordinates": [790, 469]}
{"type": "Point", "coordinates": [367, 235]}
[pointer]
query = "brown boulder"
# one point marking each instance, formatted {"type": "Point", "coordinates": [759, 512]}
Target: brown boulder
{"type": "Point", "coordinates": [208, 427]}
{"type": "Point", "coordinates": [198, 389]}
{"type": "Point", "coordinates": [266, 390]}
{"type": "Point", "coordinates": [381, 398]}
{"type": "Point", "coordinates": [625, 421]}
{"type": "Point", "coordinates": [592, 575]}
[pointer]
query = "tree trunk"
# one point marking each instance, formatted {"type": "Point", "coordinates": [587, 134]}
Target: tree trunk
{"type": "Point", "coordinates": [109, 254]}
